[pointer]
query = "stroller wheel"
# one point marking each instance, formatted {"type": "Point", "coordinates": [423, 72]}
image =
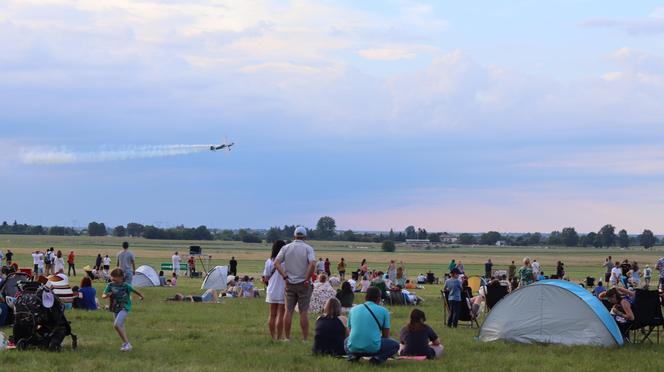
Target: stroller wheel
{"type": "Point", "coordinates": [22, 344]}
{"type": "Point", "coordinates": [74, 342]}
{"type": "Point", "coordinates": [54, 346]}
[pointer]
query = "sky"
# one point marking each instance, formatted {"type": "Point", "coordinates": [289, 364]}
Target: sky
{"type": "Point", "coordinates": [454, 116]}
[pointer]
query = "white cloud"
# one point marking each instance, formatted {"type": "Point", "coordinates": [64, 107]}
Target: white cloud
{"type": "Point", "coordinates": [385, 54]}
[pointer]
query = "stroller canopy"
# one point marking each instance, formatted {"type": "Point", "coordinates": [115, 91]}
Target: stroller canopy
{"type": "Point", "coordinates": [145, 276]}
{"type": "Point", "coordinates": [9, 286]}
{"type": "Point", "coordinates": [216, 278]}
{"type": "Point", "coordinates": [551, 311]}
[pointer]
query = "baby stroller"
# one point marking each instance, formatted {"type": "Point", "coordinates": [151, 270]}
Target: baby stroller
{"type": "Point", "coordinates": [39, 319]}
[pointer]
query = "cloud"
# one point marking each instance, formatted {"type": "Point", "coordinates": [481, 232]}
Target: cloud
{"type": "Point", "coordinates": [385, 54]}
{"type": "Point", "coordinates": [652, 25]}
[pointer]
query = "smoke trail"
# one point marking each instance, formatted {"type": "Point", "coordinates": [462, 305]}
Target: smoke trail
{"type": "Point", "coordinates": [45, 157]}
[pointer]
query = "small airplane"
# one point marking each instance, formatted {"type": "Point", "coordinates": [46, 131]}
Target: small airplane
{"type": "Point", "coordinates": [222, 146]}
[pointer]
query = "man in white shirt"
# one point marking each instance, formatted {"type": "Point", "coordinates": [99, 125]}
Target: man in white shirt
{"type": "Point", "coordinates": [36, 260]}
{"type": "Point", "coordinates": [536, 268]}
{"type": "Point", "coordinates": [299, 261]}
{"type": "Point", "coordinates": [616, 273]}
{"type": "Point", "coordinates": [176, 264]}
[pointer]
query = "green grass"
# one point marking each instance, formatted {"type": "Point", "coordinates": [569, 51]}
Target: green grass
{"type": "Point", "coordinates": [233, 335]}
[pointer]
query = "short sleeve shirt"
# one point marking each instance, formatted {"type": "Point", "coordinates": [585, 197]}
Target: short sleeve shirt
{"type": "Point", "coordinates": [526, 275]}
{"type": "Point", "coordinates": [126, 258]}
{"type": "Point", "coordinates": [454, 287]}
{"type": "Point", "coordinates": [121, 299]}
{"type": "Point", "coordinates": [297, 256]}
{"type": "Point", "coordinates": [365, 335]}
{"type": "Point", "coordinates": [417, 342]}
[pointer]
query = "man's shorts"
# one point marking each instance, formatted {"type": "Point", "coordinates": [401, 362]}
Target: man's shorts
{"type": "Point", "coordinates": [299, 294]}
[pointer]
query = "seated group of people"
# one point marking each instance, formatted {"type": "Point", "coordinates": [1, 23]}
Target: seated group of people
{"type": "Point", "coordinates": [366, 332]}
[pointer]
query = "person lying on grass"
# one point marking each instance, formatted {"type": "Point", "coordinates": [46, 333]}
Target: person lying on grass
{"type": "Point", "coordinates": [208, 296]}
{"type": "Point", "coordinates": [418, 339]}
{"type": "Point", "coordinates": [119, 293]}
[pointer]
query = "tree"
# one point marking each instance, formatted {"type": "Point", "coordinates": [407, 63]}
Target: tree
{"type": "Point", "coordinates": [348, 236]}
{"type": "Point", "coordinates": [135, 229]}
{"type": "Point", "coordinates": [119, 231]}
{"type": "Point", "coordinates": [555, 238]}
{"type": "Point", "coordinates": [273, 234]}
{"type": "Point", "coordinates": [490, 238]}
{"type": "Point", "coordinates": [97, 229]}
{"type": "Point", "coordinates": [467, 239]}
{"type": "Point", "coordinates": [421, 234]}
{"type": "Point", "coordinates": [251, 238]}
{"type": "Point", "coordinates": [570, 237]}
{"type": "Point", "coordinates": [326, 228]}
{"type": "Point", "coordinates": [388, 246]}
{"type": "Point", "coordinates": [410, 232]}
{"type": "Point", "coordinates": [623, 239]}
{"type": "Point", "coordinates": [607, 236]}
{"type": "Point", "coordinates": [434, 237]}
{"type": "Point", "coordinates": [590, 240]}
{"type": "Point", "coordinates": [647, 239]}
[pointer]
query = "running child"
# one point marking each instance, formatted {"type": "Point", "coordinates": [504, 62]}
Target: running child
{"type": "Point", "coordinates": [119, 293]}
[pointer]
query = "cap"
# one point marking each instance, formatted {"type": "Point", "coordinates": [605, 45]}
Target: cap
{"type": "Point", "coordinates": [300, 231]}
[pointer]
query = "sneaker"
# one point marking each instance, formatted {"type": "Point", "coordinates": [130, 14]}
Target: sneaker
{"type": "Point", "coordinates": [126, 347]}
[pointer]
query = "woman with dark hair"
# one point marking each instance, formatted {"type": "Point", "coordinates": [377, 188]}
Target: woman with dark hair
{"type": "Point", "coordinates": [621, 310]}
{"type": "Point", "coordinates": [88, 295]}
{"type": "Point", "coordinates": [331, 330]}
{"type": "Point", "coordinates": [276, 287]}
{"type": "Point", "coordinates": [346, 296]}
{"type": "Point", "coordinates": [418, 339]}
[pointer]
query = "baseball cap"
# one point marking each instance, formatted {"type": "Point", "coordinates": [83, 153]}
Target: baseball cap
{"type": "Point", "coordinates": [300, 231]}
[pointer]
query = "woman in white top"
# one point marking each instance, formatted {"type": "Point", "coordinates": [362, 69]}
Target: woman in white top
{"type": "Point", "coordinates": [276, 289]}
{"type": "Point", "coordinates": [59, 264]}
{"type": "Point", "coordinates": [616, 273]}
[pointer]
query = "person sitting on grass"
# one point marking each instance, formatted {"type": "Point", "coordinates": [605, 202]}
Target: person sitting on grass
{"type": "Point", "coordinates": [418, 339]}
{"type": "Point", "coordinates": [364, 285]}
{"type": "Point", "coordinates": [379, 283]}
{"type": "Point", "coordinates": [162, 278]}
{"type": "Point", "coordinates": [369, 326]}
{"type": "Point", "coordinates": [346, 296]}
{"type": "Point", "coordinates": [599, 289]}
{"type": "Point", "coordinates": [247, 287]}
{"type": "Point", "coordinates": [119, 293]}
{"type": "Point", "coordinates": [322, 292]}
{"type": "Point", "coordinates": [174, 280]}
{"type": "Point", "coordinates": [331, 330]}
{"type": "Point", "coordinates": [88, 295]}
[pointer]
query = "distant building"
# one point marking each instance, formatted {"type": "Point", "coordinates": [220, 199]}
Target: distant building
{"type": "Point", "coordinates": [446, 238]}
{"type": "Point", "coordinates": [501, 243]}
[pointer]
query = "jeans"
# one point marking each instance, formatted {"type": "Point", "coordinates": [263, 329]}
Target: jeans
{"type": "Point", "coordinates": [455, 308]}
{"type": "Point", "coordinates": [388, 347]}
{"type": "Point", "coordinates": [4, 312]}
{"type": "Point", "coordinates": [70, 268]}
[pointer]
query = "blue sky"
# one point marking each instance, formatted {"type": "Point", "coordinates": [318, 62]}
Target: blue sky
{"type": "Point", "coordinates": [516, 116]}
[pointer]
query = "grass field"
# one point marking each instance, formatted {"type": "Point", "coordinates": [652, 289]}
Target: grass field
{"type": "Point", "coordinates": [233, 335]}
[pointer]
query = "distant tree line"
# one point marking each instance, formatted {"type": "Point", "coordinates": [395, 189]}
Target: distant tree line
{"type": "Point", "coordinates": [326, 229]}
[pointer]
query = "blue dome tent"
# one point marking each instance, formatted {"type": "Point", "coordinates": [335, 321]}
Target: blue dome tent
{"type": "Point", "coordinates": [552, 312]}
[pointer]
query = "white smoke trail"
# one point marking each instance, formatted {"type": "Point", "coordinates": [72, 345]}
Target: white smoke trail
{"type": "Point", "coordinates": [46, 157]}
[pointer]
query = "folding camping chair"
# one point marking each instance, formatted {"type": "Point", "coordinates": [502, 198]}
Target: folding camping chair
{"type": "Point", "coordinates": [494, 294]}
{"type": "Point", "coordinates": [647, 309]}
{"type": "Point", "coordinates": [465, 315]}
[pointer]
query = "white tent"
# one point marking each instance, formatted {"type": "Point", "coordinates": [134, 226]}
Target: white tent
{"type": "Point", "coordinates": [551, 311]}
{"type": "Point", "coordinates": [145, 276]}
{"type": "Point", "coordinates": [216, 278]}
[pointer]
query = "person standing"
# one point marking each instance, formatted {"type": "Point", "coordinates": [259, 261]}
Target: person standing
{"type": "Point", "coordinates": [392, 271]}
{"type": "Point", "coordinates": [296, 262]}
{"type": "Point", "coordinates": [536, 268]}
{"type": "Point", "coordinates": [232, 266]}
{"type": "Point", "coordinates": [70, 263]}
{"type": "Point", "coordinates": [8, 257]}
{"type": "Point", "coordinates": [647, 274]}
{"type": "Point", "coordinates": [511, 272]}
{"type": "Point", "coordinates": [660, 267]}
{"type": "Point", "coordinates": [36, 258]}
{"type": "Point", "coordinates": [526, 273]}
{"type": "Point", "coordinates": [59, 263]}
{"type": "Point", "coordinates": [616, 273]}
{"type": "Point", "coordinates": [327, 267]}
{"type": "Point", "coordinates": [276, 287]}
{"type": "Point", "coordinates": [191, 263]}
{"type": "Point", "coordinates": [98, 262]}
{"type": "Point", "coordinates": [488, 267]}
{"type": "Point", "coordinates": [608, 265]}
{"type": "Point", "coordinates": [451, 266]}
{"type": "Point", "coordinates": [2, 257]}
{"type": "Point", "coordinates": [48, 261]}
{"type": "Point", "coordinates": [106, 263]}
{"type": "Point", "coordinates": [175, 260]}
{"type": "Point", "coordinates": [320, 266]}
{"type": "Point", "coordinates": [341, 268]}
{"type": "Point", "coordinates": [369, 326]}
{"type": "Point", "coordinates": [453, 289]}
{"type": "Point", "coordinates": [126, 261]}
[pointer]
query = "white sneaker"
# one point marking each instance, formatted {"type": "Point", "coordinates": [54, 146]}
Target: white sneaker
{"type": "Point", "coordinates": [126, 347]}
